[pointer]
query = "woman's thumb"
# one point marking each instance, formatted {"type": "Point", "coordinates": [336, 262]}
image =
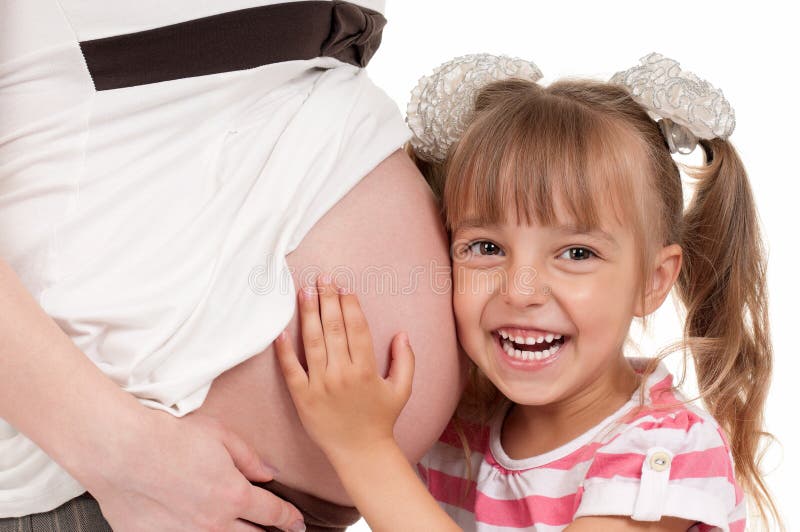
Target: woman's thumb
{"type": "Point", "coordinates": [401, 372]}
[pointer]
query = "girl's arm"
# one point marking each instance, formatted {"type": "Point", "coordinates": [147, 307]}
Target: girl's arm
{"type": "Point", "coordinates": [350, 411]}
{"type": "Point", "coordinates": [626, 524]}
{"type": "Point", "coordinates": [148, 470]}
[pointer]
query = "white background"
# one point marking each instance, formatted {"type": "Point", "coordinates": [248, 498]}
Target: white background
{"type": "Point", "coordinates": [742, 48]}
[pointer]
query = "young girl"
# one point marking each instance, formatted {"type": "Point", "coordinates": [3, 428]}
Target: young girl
{"type": "Point", "coordinates": [566, 215]}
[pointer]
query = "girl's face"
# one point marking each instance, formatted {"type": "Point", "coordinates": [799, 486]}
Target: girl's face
{"type": "Point", "coordinates": [544, 311]}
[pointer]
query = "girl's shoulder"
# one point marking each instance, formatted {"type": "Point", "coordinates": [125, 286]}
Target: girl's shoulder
{"type": "Point", "coordinates": [664, 457]}
{"type": "Point", "coordinates": [688, 435]}
{"type": "Point", "coordinates": [662, 416]}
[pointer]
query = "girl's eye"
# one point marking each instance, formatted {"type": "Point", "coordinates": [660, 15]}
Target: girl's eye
{"type": "Point", "coordinates": [578, 253]}
{"type": "Point", "coordinates": [484, 247]}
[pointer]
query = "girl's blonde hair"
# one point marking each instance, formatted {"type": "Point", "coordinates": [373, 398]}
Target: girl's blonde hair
{"type": "Point", "coordinates": [592, 146]}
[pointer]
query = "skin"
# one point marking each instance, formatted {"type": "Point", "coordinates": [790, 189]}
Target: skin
{"type": "Point", "coordinates": [197, 476]}
{"type": "Point", "coordinates": [580, 385]}
{"type": "Point", "coordinates": [490, 267]}
{"type": "Point", "coordinates": [104, 437]}
{"type": "Point", "coordinates": [342, 377]}
{"type": "Point", "coordinates": [357, 235]}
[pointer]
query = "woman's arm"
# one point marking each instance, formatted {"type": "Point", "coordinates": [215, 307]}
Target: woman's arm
{"type": "Point", "coordinates": [350, 411]}
{"type": "Point", "coordinates": [56, 396]}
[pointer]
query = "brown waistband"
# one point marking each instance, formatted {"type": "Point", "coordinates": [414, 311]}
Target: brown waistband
{"type": "Point", "coordinates": [319, 515]}
{"type": "Point", "coordinates": [83, 513]}
{"type": "Point", "coordinates": [236, 40]}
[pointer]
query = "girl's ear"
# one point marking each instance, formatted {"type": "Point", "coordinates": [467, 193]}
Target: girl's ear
{"type": "Point", "coordinates": [667, 267]}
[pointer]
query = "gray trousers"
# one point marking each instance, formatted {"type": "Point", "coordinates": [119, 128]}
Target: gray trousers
{"type": "Point", "coordinates": [81, 514]}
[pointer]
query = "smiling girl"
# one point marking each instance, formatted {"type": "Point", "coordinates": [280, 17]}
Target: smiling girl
{"type": "Point", "coordinates": [566, 215]}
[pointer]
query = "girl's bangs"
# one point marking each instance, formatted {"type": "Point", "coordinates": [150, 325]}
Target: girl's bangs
{"type": "Point", "coordinates": [544, 159]}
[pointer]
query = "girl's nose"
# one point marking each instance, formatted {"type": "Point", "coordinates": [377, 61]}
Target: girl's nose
{"type": "Point", "coordinates": [524, 286]}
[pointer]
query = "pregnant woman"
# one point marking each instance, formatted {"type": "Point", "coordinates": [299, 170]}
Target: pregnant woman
{"type": "Point", "coordinates": [169, 174]}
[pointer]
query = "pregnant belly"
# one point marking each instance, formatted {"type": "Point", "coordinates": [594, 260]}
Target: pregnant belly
{"type": "Point", "coordinates": [385, 240]}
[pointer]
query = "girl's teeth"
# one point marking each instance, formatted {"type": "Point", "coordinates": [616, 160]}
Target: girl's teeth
{"type": "Point", "coordinates": [521, 354]}
{"type": "Point", "coordinates": [529, 340]}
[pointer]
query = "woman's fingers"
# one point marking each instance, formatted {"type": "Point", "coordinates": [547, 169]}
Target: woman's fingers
{"type": "Point", "coordinates": [264, 508]}
{"type": "Point", "coordinates": [245, 458]}
{"type": "Point", "coordinates": [332, 324]}
{"type": "Point", "coordinates": [259, 505]}
{"type": "Point", "coordinates": [359, 338]}
{"type": "Point", "coordinates": [244, 526]}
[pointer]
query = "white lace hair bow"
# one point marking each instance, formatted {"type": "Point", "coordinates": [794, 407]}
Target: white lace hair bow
{"type": "Point", "coordinates": [685, 106]}
{"type": "Point", "coordinates": [442, 104]}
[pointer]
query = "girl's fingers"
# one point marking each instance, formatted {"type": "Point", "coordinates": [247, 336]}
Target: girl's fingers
{"type": "Point", "coordinates": [359, 338]}
{"type": "Point", "coordinates": [293, 372]}
{"type": "Point", "coordinates": [401, 372]}
{"type": "Point", "coordinates": [311, 330]}
{"type": "Point", "coordinates": [332, 323]}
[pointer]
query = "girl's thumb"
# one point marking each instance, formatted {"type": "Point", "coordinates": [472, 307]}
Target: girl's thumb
{"type": "Point", "coordinates": [401, 372]}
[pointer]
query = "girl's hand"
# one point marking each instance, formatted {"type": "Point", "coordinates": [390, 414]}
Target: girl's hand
{"type": "Point", "coordinates": [342, 401]}
{"type": "Point", "coordinates": [350, 411]}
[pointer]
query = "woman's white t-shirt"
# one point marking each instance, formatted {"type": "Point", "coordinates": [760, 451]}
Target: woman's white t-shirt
{"type": "Point", "coordinates": [152, 222]}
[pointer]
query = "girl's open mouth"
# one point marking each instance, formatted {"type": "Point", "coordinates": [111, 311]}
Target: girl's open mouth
{"type": "Point", "coordinates": [530, 349]}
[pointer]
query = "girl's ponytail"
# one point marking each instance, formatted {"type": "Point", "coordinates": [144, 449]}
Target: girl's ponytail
{"type": "Point", "coordinates": [723, 286]}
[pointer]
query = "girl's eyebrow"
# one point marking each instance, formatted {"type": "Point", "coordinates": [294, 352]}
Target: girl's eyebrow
{"type": "Point", "coordinates": [472, 223]}
{"type": "Point", "coordinates": [565, 229]}
{"type": "Point", "coordinates": [593, 233]}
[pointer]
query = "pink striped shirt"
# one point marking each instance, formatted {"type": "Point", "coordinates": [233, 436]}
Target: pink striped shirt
{"type": "Point", "coordinates": [666, 459]}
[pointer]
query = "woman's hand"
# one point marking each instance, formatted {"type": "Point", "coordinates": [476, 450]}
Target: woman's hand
{"type": "Point", "coordinates": [148, 470]}
{"type": "Point", "coordinates": [342, 401]}
{"type": "Point", "coordinates": [189, 474]}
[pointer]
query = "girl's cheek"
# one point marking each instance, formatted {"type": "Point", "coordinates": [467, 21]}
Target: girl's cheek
{"type": "Point", "coordinates": [602, 308]}
{"type": "Point", "coordinates": [581, 290]}
{"type": "Point", "coordinates": [471, 286]}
